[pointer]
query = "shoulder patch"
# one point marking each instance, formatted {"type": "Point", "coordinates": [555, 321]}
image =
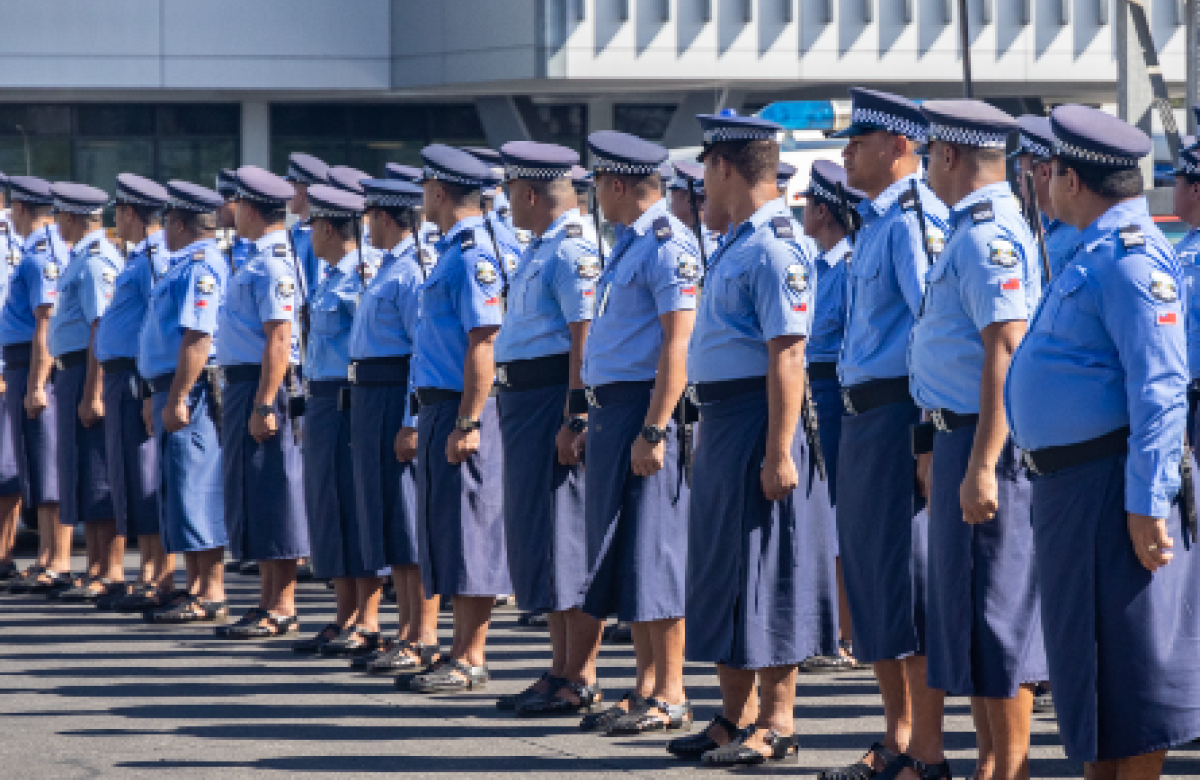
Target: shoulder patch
{"type": "Point", "coordinates": [1131, 236]}
{"type": "Point", "coordinates": [908, 201]}
{"type": "Point", "coordinates": [573, 230]}
{"type": "Point", "coordinates": [797, 277]}
{"type": "Point", "coordinates": [1001, 252]}
{"type": "Point", "coordinates": [935, 239]}
{"type": "Point", "coordinates": [108, 276]}
{"type": "Point", "coordinates": [523, 236]}
{"type": "Point", "coordinates": [485, 272]}
{"type": "Point", "coordinates": [1163, 287]}
{"type": "Point", "coordinates": [51, 271]}
{"type": "Point", "coordinates": [280, 250]}
{"type": "Point", "coordinates": [510, 262]}
{"type": "Point", "coordinates": [983, 212]}
{"type": "Point", "coordinates": [587, 267]}
{"type": "Point", "coordinates": [14, 258]}
{"type": "Point", "coordinates": [152, 249]}
{"type": "Point", "coordinates": [662, 229]}
{"type": "Point", "coordinates": [782, 227]}
{"type": "Point", "coordinates": [197, 255]}
{"type": "Point", "coordinates": [468, 239]}
{"type": "Point", "coordinates": [285, 287]}
{"type": "Point", "coordinates": [206, 285]}
{"type": "Point", "coordinates": [689, 267]}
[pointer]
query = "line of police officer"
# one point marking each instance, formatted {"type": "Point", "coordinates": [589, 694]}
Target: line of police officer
{"type": "Point", "coordinates": [420, 393]}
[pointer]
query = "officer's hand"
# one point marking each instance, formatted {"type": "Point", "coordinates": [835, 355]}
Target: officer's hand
{"type": "Point", "coordinates": [645, 458]}
{"type": "Point", "coordinates": [580, 447]}
{"type": "Point", "coordinates": [3, 385]}
{"type": "Point", "coordinates": [148, 416]}
{"type": "Point", "coordinates": [175, 416]}
{"type": "Point", "coordinates": [979, 495]}
{"type": "Point", "coordinates": [924, 463]}
{"type": "Point", "coordinates": [461, 446]}
{"type": "Point", "coordinates": [36, 401]}
{"type": "Point", "coordinates": [406, 444]}
{"type": "Point", "coordinates": [565, 442]}
{"type": "Point", "coordinates": [1151, 542]}
{"type": "Point", "coordinates": [779, 476]}
{"type": "Point", "coordinates": [91, 411]}
{"type": "Point", "coordinates": [263, 428]}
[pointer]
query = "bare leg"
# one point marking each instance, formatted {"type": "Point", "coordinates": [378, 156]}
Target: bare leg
{"type": "Point", "coordinates": [59, 538]}
{"type": "Point", "coordinates": [10, 518]}
{"type": "Point", "coordinates": [404, 610]}
{"type": "Point", "coordinates": [162, 565]}
{"type": "Point", "coordinates": [281, 598]}
{"type": "Point", "coordinates": [739, 700]}
{"type": "Point", "coordinates": [897, 713]}
{"type": "Point", "coordinates": [777, 686]}
{"type": "Point", "coordinates": [643, 654]}
{"type": "Point", "coordinates": [581, 647]}
{"type": "Point", "coordinates": [557, 622]}
{"type": "Point", "coordinates": [985, 763]}
{"type": "Point", "coordinates": [266, 584]}
{"type": "Point", "coordinates": [928, 708]}
{"type": "Point", "coordinates": [369, 592]}
{"type": "Point", "coordinates": [423, 608]}
{"type": "Point", "coordinates": [472, 615]}
{"type": "Point", "coordinates": [93, 556]}
{"type": "Point", "coordinates": [1008, 726]}
{"type": "Point", "coordinates": [845, 627]}
{"type": "Point", "coordinates": [346, 594]}
{"type": "Point", "coordinates": [146, 572]}
{"type": "Point", "coordinates": [110, 549]}
{"type": "Point", "coordinates": [210, 569]}
{"type": "Point", "coordinates": [666, 638]}
{"type": "Point", "coordinates": [1145, 767]}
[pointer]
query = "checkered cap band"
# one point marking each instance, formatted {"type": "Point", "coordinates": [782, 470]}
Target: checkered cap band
{"type": "Point", "coordinates": [967, 137]}
{"type": "Point", "coordinates": [393, 200]}
{"type": "Point", "coordinates": [533, 172]}
{"type": "Point", "coordinates": [328, 212]}
{"type": "Point", "coordinates": [815, 188]}
{"type": "Point", "coordinates": [125, 196]}
{"type": "Point", "coordinates": [602, 164]}
{"type": "Point", "coordinates": [1035, 147]}
{"type": "Point", "coordinates": [242, 192]}
{"type": "Point", "coordinates": [77, 208]}
{"type": "Point", "coordinates": [680, 183]}
{"type": "Point", "coordinates": [187, 205]}
{"type": "Point", "coordinates": [297, 175]}
{"type": "Point", "coordinates": [430, 172]}
{"type": "Point", "coordinates": [26, 197]}
{"type": "Point", "coordinates": [1187, 165]}
{"type": "Point", "coordinates": [1068, 149]}
{"type": "Point", "coordinates": [719, 134]}
{"type": "Point", "coordinates": [889, 122]}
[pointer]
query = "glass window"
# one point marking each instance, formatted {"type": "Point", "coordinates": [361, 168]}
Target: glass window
{"type": "Point", "coordinates": [48, 157]}
{"type": "Point", "coordinates": [35, 120]}
{"type": "Point", "coordinates": [456, 124]}
{"type": "Point", "coordinates": [98, 161]}
{"type": "Point", "coordinates": [195, 159]}
{"type": "Point", "coordinates": [319, 119]}
{"type": "Point", "coordinates": [565, 125]}
{"type": "Point", "coordinates": [389, 121]}
{"type": "Point", "coordinates": [330, 150]}
{"type": "Point", "coordinates": [199, 119]}
{"type": "Point", "coordinates": [114, 120]}
{"type": "Point", "coordinates": [644, 121]}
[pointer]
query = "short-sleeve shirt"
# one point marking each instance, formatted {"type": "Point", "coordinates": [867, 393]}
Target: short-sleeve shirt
{"type": "Point", "coordinates": [989, 272]}
{"type": "Point", "coordinates": [654, 269]}
{"type": "Point", "coordinates": [332, 309]}
{"type": "Point", "coordinates": [35, 284]}
{"type": "Point", "coordinates": [385, 324]}
{"type": "Point", "coordinates": [461, 294]}
{"type": "Point", "coordinates": [116, 334]}
{"type": "Point", "coordinates": [829, 321]}
{"type": "Point", "coordinates": [759, 286]}
{"type": "Point", "coordinates": [554, 285]}
{"type": "Point", "coordinates": [84, 292]}
{"type": "Point", "coordinates": [11, 248]}
{"type": "Point", "coordinates": [265, 288]}
{"type": "Point", "coordinates": [1060, 240]}
{"type": "Point", "coordinates": [188, 297]}
{"type": "Point", "coordinates": [1188, 251]}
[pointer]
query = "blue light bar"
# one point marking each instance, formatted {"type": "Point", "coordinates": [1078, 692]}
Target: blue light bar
{"type": "Point", "coordinates": [801, 114]}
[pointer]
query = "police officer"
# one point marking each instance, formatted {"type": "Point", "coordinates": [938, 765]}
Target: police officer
{"type": "Point", "coordinates": [382, 424]}
{"type": "Point", "coordinates": [303, 171]}
{"type": "Point", "coordinates": [783, 178]}
{"type": "Point", "coordinates": [24, 335]}
{"type": "Point", "coordinates": [84, 290]}
{"type": "Point", "coordinates": [131, 456]}
{"type": "Point", "coordinates": [10, 478]}
{"type": "Point", "coordinates": [429, 234]}
{"type": "Point", "coordinates": [760, 574]}
{"type": "Point", "coordinates": [983, 625]}
{"type": "Point", "coordinates": [1096, 399]}
{"type": "Point", "coordinates": [175, 350]}
{"type": "Point", "coordinates": [236, 248]}
{"type": "Point", "coordinates": [350, 179]}
{"type": "Point", "coordinates": [1034, 148]}
{"type": "Point", "coordinates": [1187, 208]}
{"type": "Point", "coordinates": [882, 552]}
{"type": "Point", "coordinates": [685, 192]}
{"type": "Point", "coordinates": [830, 214]}
{"type": "Point", "coordinates": [542, 409]}
{"type": "Point", "coordinates": [506, 242]}
{"type": "Point", "coordinates": [635, 369]}
{"type": "Point", "coordinates": [581, 180]}
{"type": "Point", "coordinates": [259, 354]}
{"type": "Point", "coordinates": [460, 526]}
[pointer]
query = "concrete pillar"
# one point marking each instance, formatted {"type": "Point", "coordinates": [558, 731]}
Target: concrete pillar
{"type": "Point", "coordinates": [256, 133]}
{"type": "Point", "coordinates": [599, 116]}
{"type": "Point", "coordinates": [1134, 95]}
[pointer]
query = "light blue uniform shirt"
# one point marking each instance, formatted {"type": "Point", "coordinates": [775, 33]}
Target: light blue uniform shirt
{"type": "Point", "coordinates": [461, 294]}
{"type": "Point", "coordinates": [147, 261]}
{"type": "Point", "coordinates": [385, 324]}
{"type": "Point", "coordinates": [1188, 250]}
{"type": "Point", "coordinates": [1106, 349]}
{"type": "Point", "coordinates": [35, 284]}
{"type": "Point", "coordinates": [188, 297]}
{"type": "Point", "coordinates": [1060, 240]}
{"type": "Point", "coordinates": [654, 269]}
{"type": "Point", "coordinates": [84, 292]}
{"type": "Point", "coordinates": [885, 281]}
{"type": "Point", "coordinates": [989, 272]}
{"type": "Point", "coordinates": [758, 286]}
{"type": "Point", "coordinates": [12, 246]}
{"type": "Point", "coordinates": [510, 247]}
{"type": "Point", "coordinates": [829, 320]}
{"type": "Point", "coordinates": [239, 251]}
{"type": "Point", "coordinates": [555, 285]}
{"type": "Point", "coordinates": [332, 309]}
{"type": "Point", "coordinates": [263, 289]}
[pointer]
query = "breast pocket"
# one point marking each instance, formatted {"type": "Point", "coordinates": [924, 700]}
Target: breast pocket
{"type": "Point", "coordinates": [434, 299]}
{"type": "Point", "coordinates": [1064, 305]}
{"type": "Point", "coordinates": [529, 290]}
{"type": "Point", "coordinates": [327, 317]}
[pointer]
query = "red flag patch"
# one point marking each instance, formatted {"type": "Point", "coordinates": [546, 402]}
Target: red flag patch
{"type": "Point", "coordinates": [1011, 284]}
{"type": "Point", "coordinates": [800, 307]}
{"type": "Point", "coordinates": [690, 290]}
{"type": "Point", "coordinates": [491, 302]}
{"type": "Point", "coordinates": [1170, 318]}
{"type": "Point", "coordinates": [587, 293]}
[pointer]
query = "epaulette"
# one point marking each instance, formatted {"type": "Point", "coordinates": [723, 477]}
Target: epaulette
{"type": "Point", "coordinates": [468, 239]}
{"type": "Point", "coordinates": [983, 212]}
{"type": "Point", "coordinates": [41, 246]}
{"type": "Point", "coordinates": [573, 230]}
{"type": "Point", "coordinates": [94, 249]}
{"type": "Point", "coordinates": [662, 229]}
{"type": "Point", "coordinates": [908, 201]}
{"type": "Point", "coordinates": [197, 255]}
{"type": "Point", "coordinates": [1132, 236]}
{"type": "Point", "coordinates": [782, 227]}
{"type": "Point", "coordinates": [281, 250]}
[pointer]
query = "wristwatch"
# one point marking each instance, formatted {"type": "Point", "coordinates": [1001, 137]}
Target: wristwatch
{"type": "Point", "coordinates": [576, 423]}
{"type": "Point", "coordinates": [654, 434]}
{"type": "Point", "coordinates": [466, 424]}
{"type": "Point", "coordinates": [264, 410]}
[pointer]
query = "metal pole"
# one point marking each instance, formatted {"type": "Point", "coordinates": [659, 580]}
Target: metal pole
{"type": "Point", "coordinates": [25, 138]}
{"type": "Point", "coordinates": [964, 36]}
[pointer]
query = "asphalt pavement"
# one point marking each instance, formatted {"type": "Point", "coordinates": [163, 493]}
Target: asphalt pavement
{"type": "Point", "coordinates": [85, 694]}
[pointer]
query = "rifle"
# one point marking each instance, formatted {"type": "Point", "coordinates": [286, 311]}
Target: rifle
{"type": "Point", "coordinates": [920, 210]}
{"type": "Point", "coordinates": [697, 226]}
{"type": "Point", "coordinates": [1035, 222]}
{"type": "Point", "coordinates": [296, 402]}
{"type": "Point", "coordinates": [848, 215]}
{"type": "Point", "coordinates": [595, 197]}
{"type": "Point", "coordinates": [500, 262]}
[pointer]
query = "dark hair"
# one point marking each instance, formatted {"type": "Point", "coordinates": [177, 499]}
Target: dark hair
{"type": "Point", "coordinates": [192, 221]}
{"type": "Point", "coordinates": [1114, 184]}
{"type": "Point", "coordinates": [838, 215]}
{"type": "Point", "coordinates": [650, 181]}
{"type": "Point", "coordinates": [986, 155]}
{"type": "Point", "coordinates": [462, 194]}
{"type": "Point", "coordinates": [755, 161]}
{"type": "Point", "coordinates": [343, 226]}
{"type": "Point", "coordinates": [1190, 178]}
{"type": "Point", "coordinates": [147, 214]}
{"type": "Point", "coordinates": [269, 213]}
{"type": "Point", "coordinates": [405, 217]}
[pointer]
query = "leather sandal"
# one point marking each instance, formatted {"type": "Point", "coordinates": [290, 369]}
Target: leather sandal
{"type": "Point", "coordinates": [23, 581]}
{"type": "Point", "coordinates": [738, 753]}
{"type": "Point", "coordinates": [601, 721]}
{"type": "Point", "coordinates": [861, 770]}
{"type": "Point", "coordinates": [138, 598]}
{"type": "Point", "coordinates": [535, 619]}
{"type": "Point", "coordinates": [9, 571]}
{"type": "Point", "coordinates": [939, 771]}
{"type": "Point", "coordinates": [403, 681]}
{"type": "Point", "coordinates": [590, 696]}
{"type": "Point", "coordinates": [84, 591]}
{"type": "Point", "coordinates": [166, 599]}
{"type": "Point", "coordinates": [114, 593]}
{"type": "Point", "coordinates": [192, 610]}
{"type": "Point", "coordinates": [693, 746]}
{"type": "Point", "coordinates": [508, 702]}
{"type": "Point", "coordinates": [267, 625]}
{"type": "Point", "coordinates": [400, 662]}
{"type": "Point", "coordinates": [253, 615]}
{"type": "Point", "coordinates": [679, 716]}
{"type": "Point", "coordinates": [351, 641]}
{"type": "Point", "coordinates": [313, 643]}
{"type": "Point", "coordinates": [49, 582]}
{"type": "Point", "coordinates": [451, 677]}
{"type": "Point", "coordinates": [363, 661]}
{"type": "Point", "coordinates": [619, 634]}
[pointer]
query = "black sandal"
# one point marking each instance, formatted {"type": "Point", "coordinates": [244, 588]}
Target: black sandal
{"type": "Point", "coordinates": [451, 677]}
{"type": "Point", "coordinates": [693, 746]}
{"type": "Point", "coordinates": [404, 680]}
{"type": "Point", "coordinates": [861, 770]}
{"type": "Point", "coordinates": [49, 583]}
{"type": "Point", "coordinates": [192, 610]}
{"type": "Point", "coordinates": [939, 771]}
{"type": "Point", "coordinates": [601, 721]}
{"type": "Point", "coordinates": [84, 591]}
{"type": "Point", "coordinates": [509, 702]}
{"type": "Point", "coordinates": [313, 643]}
{"type": "Point", "coordinates": [166, 599]}
{"type": "Point", "coordinates": [25, 580]}
{"type": "Point", "coordinates": [351, 641]}
{"type": "Point", "coordinates": [590, 696]}
{"type": "Point", "coordinates": [737, 753]}
{"type": "Point", "coordinates": [9, 571]}
{"type": "Point", "coordinates": [252, 616]}
{"type": "Point", "coordinates": [114, 593]}
{"type": "Point", "coordinates": [363, 662]}
{"type": "Point", "coordinates": [679, 716]}
{"type": "Point", "coordinates": [400, 662]}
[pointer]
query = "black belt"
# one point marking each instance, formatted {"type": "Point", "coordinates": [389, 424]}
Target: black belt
{"type": "Point", "coordinates": [428, 396]}
{"type": "Point", "coordinates": [712, 392]}
{"type": "Point", "coordinates": [17, 355]}
{"type": "Point", "coordinates": [875, 393]}
{"type": "Point", "coordinates": [599, 395]}
{"type": "Point", "coordinates": [1051, 459]}
{"type": "Point", "coordinates": [534, 373]}
{"type": "Point", "coordinates": [71, 359]}
{"type": "Point", "coordinates": [323, 388]}
{"type": "Point", "coordinates": [945, 420]}
{"type": "Point", "coordinates": [242, 372]}
{"type": "Point", "coordinates": [119, 364]}
{"type": "Point", "coordinates": [823, 370]}
{"type": "Point", "coordinates": [379, 371]}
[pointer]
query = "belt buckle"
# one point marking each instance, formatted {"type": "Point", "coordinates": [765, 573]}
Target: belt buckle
{"type": "Point", "coordinates": [590, 394]}
{"type": "Point", "coordinates": [59, 364]}
{"type": "Point", "coordinates": [939, 420]}
{"type": "Point", "coordinates": [307, 389]}
{"type": "Point", "coordinates": [847, 402]}
{"type": "Point", "coordinates": [693, 394]}
{"type": "Point", "coordinates": [352, 373]}
{"type": "Point", "coordinates": [1030, 464]}
{"type": "Point", "coordinates": [502, 375]}
{"type": "Point", "coordinates": [221, 376]}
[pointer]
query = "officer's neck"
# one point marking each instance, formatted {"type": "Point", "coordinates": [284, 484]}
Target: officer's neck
{"type": "Point", "coordinates": [135, 233]}
{"type": "Point", "coordinates": [746, 200]}
{"type": "Point", "coordinates": [341, 249]}
{"type": "Point", "coordinates": [452, 215]}
{"type": "Point", "coordinates": [1085, 207]}
{"type": "Point", "coordinates": [902, 167]}
{"type": "Point", "coordinates": [37, 223]}
{"type": "Point", "coordinates": [629, 210]}
{"type": "Point", "coordinates": [541, 221]}
{"type": "Point", "coordinates": [828, 235]}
